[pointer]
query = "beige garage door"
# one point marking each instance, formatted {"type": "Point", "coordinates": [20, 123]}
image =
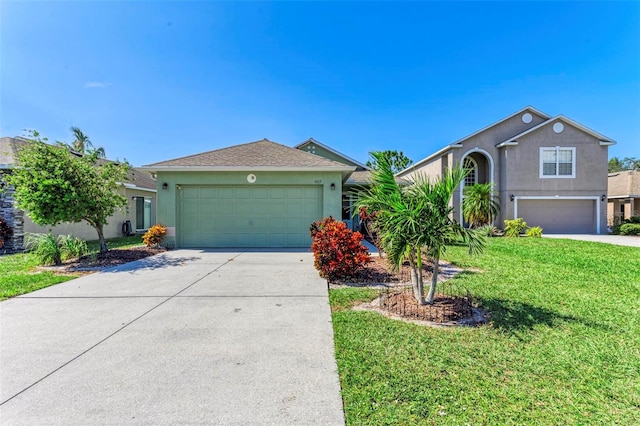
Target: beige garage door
{"type": "Point", "coordinates": [560, 216]}
{"type": "Point", "coordinates": [247, 216]}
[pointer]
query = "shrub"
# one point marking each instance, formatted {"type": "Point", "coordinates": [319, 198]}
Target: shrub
{"type": "Point", "coordinates": [5, 231]}
{"type": "Point", "coordinates": [617, 229]}
{"type": "Point", "coordinates": [535, 232]}
{"type": "Point", "coordinates": [337, 250]}
{"type": "Point", "coordinates": [633, 219]}
{"type": "Point", "coordinates": [630, 229]}
{"type": "Point", "coordinates": [154, 235]}
{"type": "Point", "coordinates": [72, 247]}
{"type": "Point", "coordinates": [513, 228]}
{"type": "Point", "coordinates": [490, 231]}
{"type": "Point", "coordinates": [45, 248]}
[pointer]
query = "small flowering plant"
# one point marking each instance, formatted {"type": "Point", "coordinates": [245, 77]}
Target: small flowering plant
{"type": "Point", "coordinates": [154, 235]}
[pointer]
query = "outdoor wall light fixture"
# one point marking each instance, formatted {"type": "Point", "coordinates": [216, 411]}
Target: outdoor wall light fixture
{"type": "Point", "coordinates": [165, 185]}
{"type": "Point", "coordinates": [333, 186]}
{"type": "Point", "coordinates": [513, 197]}
{"type": "Point", "coordinates": [604, 197]}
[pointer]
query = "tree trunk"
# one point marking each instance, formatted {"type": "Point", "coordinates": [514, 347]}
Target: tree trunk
{"type": "Point", "coordinates": [420, 299]}
{"type": "Point", "coordinates": [416, 276]}
{"type": "Point", "coordinates": [103, 243]}
{"type": "Point", "coordinates": [434, 280]}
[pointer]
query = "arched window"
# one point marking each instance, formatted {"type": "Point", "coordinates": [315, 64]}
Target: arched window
{"type": "Point", "coordinates": [472, 177]}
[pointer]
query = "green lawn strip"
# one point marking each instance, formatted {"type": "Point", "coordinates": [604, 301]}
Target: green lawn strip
{"type": "Point", "coordinates": [563, 346]}
{"type": "Point", "coordinates": [18, 273]}
{"type": "Point", "coordinates": [114, 243]}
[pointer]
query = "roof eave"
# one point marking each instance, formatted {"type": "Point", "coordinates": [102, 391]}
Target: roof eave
{"type": "Point", "coordinates": [507, 143]}
{"type": "Point", "coordinates": [156, 169]}
{"type": "Point", "coordinates": [138, 188]}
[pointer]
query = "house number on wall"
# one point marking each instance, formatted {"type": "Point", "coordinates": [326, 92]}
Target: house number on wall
{"type": "Point", "coordinates": [318, 181]}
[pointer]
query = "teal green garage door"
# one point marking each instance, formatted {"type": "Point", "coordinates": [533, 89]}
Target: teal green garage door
{"type": "Point", "coordinates": [247, 216]}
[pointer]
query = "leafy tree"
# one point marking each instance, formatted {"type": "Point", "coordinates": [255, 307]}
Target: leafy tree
{"type": "Point", "coordinates": [627, 163]}
{"type": "Point", "coordinates": [396, 159]}
{"type": "Point", "coordinates": [416, 219]}
{"type": "Point", "coordinates": [82, 144]}
{"type": "Point", "coordinates": [53, 185]}
{"type": "Point", "coordinates": [480, 205]}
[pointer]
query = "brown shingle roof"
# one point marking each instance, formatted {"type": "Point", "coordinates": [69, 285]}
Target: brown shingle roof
{"type": "Point", "coordinates": [9, 149]}
{"type": "Point", "coordinates": [624, 184]}
{"type": "Point", "coordinates": [141, 179]}
{"type": "Point", "coordinates": [359, 177]}
{"type": "Point", "coordinates": [263, 153]}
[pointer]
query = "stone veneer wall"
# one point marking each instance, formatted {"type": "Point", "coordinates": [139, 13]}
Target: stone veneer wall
{"type": "Point", "coordinates": [13, 217]}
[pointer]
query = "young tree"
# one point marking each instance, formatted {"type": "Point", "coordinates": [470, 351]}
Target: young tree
{"type": "Point", "coordinates": [396, 159]}
{"type": "Point", "coordinates": [627, 163]}
{"type": "Point", "coordinates": [53, 185]}
{"type": "Point", "coordinates": [480, 205]}
{"type": "Point", "coordinates": [416, 219]}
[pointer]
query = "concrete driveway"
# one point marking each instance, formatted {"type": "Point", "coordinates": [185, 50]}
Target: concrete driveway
{"type": "Point", "coordinates": [618, 240]}
{"type": "Point", "coordinates": [185, 337]}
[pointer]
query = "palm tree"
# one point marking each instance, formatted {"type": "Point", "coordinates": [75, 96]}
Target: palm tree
{"type": "Point", "coordinates": [416, 219]}
{"type": "Point", "coordinates": [480, 205]}
{"type": "Point", "coordinates": [82, 144]}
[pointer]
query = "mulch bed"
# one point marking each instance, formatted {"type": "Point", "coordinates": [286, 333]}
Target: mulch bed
{"type": "Point", "coordinates": [396, 295]}
{"type": "Point", "coordinates": [113, 257]}
{"type": "Point", "coordinates": [444, 309]}
{"type": "Point", "coordinates": [378, 271]}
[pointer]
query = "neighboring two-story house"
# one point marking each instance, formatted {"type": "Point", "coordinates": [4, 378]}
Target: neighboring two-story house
{"type": "Point", "coordinates": [550, 171]}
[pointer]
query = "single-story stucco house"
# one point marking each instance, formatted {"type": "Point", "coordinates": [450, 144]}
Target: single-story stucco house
{"type": "Point", "coordinates": [140, 190]}
{"type": "Point", "coordinates": [550, 171]}
{"type": "Point", "coordinates": [624, 196]}
{"type": "Point", "coordinates": [258, 194]}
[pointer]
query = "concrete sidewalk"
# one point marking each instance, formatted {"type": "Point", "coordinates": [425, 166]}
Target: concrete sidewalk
{"type": "Point", "coordinates": [618, 240]}
{"type": "Point", "coordinates": [185, 337]}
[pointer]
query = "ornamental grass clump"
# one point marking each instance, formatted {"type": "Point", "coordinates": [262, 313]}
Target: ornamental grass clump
{"type": "Point", "coordinates": [338, 251]}
{"type": "Point", "coordinates": [45, 248]}
{"type": "Point", "coordinates": [154, 235]}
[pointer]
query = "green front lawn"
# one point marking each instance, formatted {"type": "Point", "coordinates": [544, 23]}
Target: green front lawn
{"type": "Point", "coordinates": [563, 346]}
{"type": "Point", "coordinates": [18, 273]}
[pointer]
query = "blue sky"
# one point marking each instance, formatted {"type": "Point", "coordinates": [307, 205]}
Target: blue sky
{"type": "Point", "coordinates": [152, 81]}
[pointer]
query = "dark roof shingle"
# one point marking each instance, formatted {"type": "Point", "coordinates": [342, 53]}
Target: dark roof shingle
{"type": "Point", "coordinates": [263, 153]}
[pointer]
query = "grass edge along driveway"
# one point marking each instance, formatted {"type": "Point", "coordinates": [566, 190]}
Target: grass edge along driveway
{"type": "Point", "coordinates": [563, 346]}
{"type": "Point", "coordinates": [19, 273]}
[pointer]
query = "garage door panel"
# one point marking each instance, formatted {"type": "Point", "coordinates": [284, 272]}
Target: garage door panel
{"type": "Point", "coordinates": [243, 216]}
{"type": "Point", "coordinates": [559, 216]}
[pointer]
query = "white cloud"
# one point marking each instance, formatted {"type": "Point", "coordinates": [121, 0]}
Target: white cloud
{"type": "Point", "coordinates": [95, 84]}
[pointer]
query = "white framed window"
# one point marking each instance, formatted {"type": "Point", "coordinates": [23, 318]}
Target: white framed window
{"type": "Point", "coordinates": [472, 177]}
{"type": "Point", "coordinates": [557, 162]}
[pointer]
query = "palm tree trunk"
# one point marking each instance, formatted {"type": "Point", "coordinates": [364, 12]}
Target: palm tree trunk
{"type": "Point", "coordinates": [414, 274]}
{"type": "Point", "coordinates": [417, 282]}
{"type": "Point", "coordinates": [434, 280]}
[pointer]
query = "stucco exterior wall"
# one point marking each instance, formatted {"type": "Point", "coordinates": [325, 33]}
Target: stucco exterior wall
{"type": "Point", "coordinates": [167, 198]}
{"type": "Point", "coordinates": [431, 169]}
{"type": "Point", "coordinates": [84, 231]}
